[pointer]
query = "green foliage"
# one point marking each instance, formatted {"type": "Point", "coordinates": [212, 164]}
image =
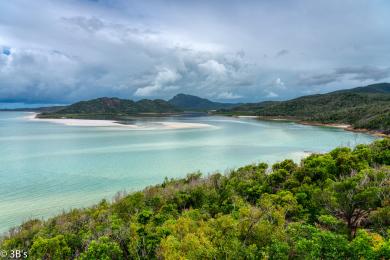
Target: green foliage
{"type": "Point", "coordinates": [366, 107]}
{"type": "Point", "coordinates": [102, 249]}
{"type": "Point", "coordinates": [111, 108]}
{"type": "Point", "coordinates": [330, 206]}
{"type": "Point", "coordinates": [194, 103]}
{"type": "Point", "coordinates": [50, 248]}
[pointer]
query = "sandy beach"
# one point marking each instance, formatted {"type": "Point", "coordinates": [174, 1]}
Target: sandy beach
{"type": "Point", "coordinates": [111, 123]}
{"type": "Point", "coordinates": [247, 116]}
{"type": "Point", "coordinates": [345, 127]}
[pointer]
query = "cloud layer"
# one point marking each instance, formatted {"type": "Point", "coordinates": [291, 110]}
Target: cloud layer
{"type": "Point", "coordinates": [64, 51]}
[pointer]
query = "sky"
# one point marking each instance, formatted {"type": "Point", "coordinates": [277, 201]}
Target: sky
{"type": "Point", "coordinates": [60, 52]}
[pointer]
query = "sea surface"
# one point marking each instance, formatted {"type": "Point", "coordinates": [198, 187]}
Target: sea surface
{"type": "Point", "coordinates": [46, 168]}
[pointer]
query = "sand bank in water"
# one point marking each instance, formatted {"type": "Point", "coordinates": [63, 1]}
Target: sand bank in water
{"type": "Point", "coordinates": [247, 116]}
{"type": "Point", "coordinates": [111, 123]}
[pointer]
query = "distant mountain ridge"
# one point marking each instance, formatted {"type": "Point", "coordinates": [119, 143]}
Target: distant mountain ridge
{"type": "Point", "coordinates": [362, 107]}
{"type": "Point", "coordinates": [190, 102]}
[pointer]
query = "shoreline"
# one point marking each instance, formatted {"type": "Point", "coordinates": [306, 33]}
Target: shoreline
{"type": "Point", "coordinates": [158, 125]}
{"type": "Point", "coordinates": [345, 127]}
{"type": "Point", "coordinates": [166, 125]}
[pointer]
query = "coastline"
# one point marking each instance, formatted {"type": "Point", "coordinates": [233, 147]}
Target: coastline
{"type": "Point", "coordinates": [158, 125]}
{"type": "Point", "coordinates": [345, 127]}
{"type": "Point", "coordinates": [292, 155]}
{"type": "Point", "coordinates": [172, 125]}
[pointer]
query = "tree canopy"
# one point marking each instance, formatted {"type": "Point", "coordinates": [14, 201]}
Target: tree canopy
{"type": "Point", "coordinates": [330, 206]}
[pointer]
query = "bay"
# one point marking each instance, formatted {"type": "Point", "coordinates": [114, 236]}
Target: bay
{"type": "Point", "coordinates": [46, 168]}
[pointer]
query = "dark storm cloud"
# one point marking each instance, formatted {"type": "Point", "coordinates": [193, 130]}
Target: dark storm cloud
{"type": "Point", "coordinates": [365, 73]}
{"type": "Point", "coordinates": [282, 53]}
{"type": "Point", "coordinates": [321, 79]}
{"type": "Point", "coordinates": [91, 24]}
{"type": "Point", "coordinates": [63, 51]}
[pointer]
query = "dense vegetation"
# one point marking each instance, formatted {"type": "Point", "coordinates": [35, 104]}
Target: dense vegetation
{"type": "Point", "coordinates": [112, 108]}
{"type": "Point", "coordinates": [194, 103]}
{"type": "Point", "coordinates": [330, 206]}
{"type": "Point", "coordinates": [363, 107]}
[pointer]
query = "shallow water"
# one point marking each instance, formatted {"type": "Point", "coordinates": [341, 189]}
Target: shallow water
{"type": "Point", "coordinates": [46, 167]}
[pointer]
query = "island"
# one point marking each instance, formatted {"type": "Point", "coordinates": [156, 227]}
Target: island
{"type": "Point", "coordinates": [112, 109]}
{"type": "Point", "coordinates": [365, 109]}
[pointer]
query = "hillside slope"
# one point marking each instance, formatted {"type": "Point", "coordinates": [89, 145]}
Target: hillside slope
{"type": "Point", "coordinates": [364, 107]}
{"type": "Point", "coordinates": [374, 88]}
{"type": "Point", "coordinates": [191, 103]}
{"type": "Point", "coordinates": [331, 206]}
{"type": "Point", "coordinates": [111, 108]}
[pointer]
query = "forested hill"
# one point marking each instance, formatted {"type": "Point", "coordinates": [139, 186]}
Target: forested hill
{"type": "Point", "coordinates": [363, 107]}
{"type": "Point", "coordinates": [374, 88]}
{"type": "Point", "coordinates": [330, 206]}
{"type": "Point", "coordinates": [191, 103]}
{"type": "Point", "coordinates": [112, 108]}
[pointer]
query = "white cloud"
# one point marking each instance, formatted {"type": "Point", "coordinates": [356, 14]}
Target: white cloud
{"type": "Point", "coordinates": [228, 95]}
{"type": "Point", "coordinates": [279, 83]}
{"type": "Point", "coordinates": [164, 77]}
{"type": "Point", "coordinates": [65, 51]}
{"type": "Point", "coordinates": [212, 67]}
{"type": "Point", "coordinates": [272, 94]}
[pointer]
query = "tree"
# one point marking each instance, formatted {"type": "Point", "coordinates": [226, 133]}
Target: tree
{"type": "Point", "coordinates": [103, 249]}
{"type": "Point", "coordinates": [353, 198]}
{"type": "Point", "coordinates": [50, 248]}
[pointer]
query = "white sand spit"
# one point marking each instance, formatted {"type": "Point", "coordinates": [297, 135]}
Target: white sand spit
{"type": "Point", "coordinates": [180, 125]}
{"type": "Point", "coordinates": [111, 123]}
{"type": "Point", "coordinates": [247, 116]}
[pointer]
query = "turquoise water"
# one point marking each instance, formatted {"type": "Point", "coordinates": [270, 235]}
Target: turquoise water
{"type": "Point", "coordinates": [46, 167]}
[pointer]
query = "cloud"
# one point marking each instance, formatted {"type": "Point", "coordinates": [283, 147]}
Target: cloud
{"type": "Point", "coordinates": [34, 75]}
{"type": "Point", "coordinates": [228, 95]}
{"type": "Point", "coordinates": [362, 73]}
{"type": "Point", "coordinates": [164, 78]}
{"type": "Point", "coordinates": [196, 71]}
{"type": "Point", "coordinates": [282, 53]}
{"type": "Point", "coordinates": [212, 67]}
{"type": "Point", "coordinates": [365, 72]}
{"type": "Point", "coordinates": [274, 88]}
{"type": "Point", "coordinates": [64, 51]}
{"type": "Point", "coordinates": [317, 80]}
{"type": "Point", "coordinates": [279, 83]}
{"type": "Point", "coordinates": [6, 51]}
{"type": "Point", "coordinates": [90, 24]}
{"type": "Point", "coordinates": [271, 94]}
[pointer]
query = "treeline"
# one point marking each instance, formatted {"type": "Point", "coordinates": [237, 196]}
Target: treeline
{"type": "Point", "coordinates": [360, 107]}
{"type": "Point", "coordinates": [110, 108]}
{"type": "Point", "coordinates": [330, 206]}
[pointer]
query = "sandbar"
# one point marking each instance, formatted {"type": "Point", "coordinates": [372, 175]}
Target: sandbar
{"type": "Point", "coordinates": [112, 123]}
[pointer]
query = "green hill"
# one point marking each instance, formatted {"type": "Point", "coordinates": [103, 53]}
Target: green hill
{"type": "Point", "coordinates": [112, 108]}
{"type": "Point", "coordinates": [374, 88]}
{"type": "Point", "coordinates": [191, 103]}
{"type": "Point", "coordinates": [364, 107]}
{"type": "Point", "coordinates": [330, 206]}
